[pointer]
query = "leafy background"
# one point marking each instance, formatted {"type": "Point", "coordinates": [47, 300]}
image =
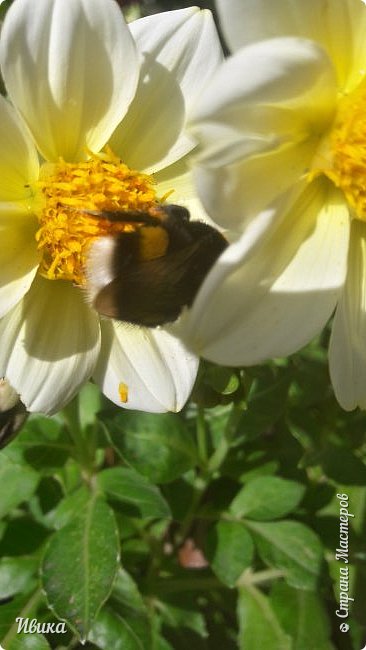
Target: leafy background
{"type": "Point", "coordinates": [214, 528]}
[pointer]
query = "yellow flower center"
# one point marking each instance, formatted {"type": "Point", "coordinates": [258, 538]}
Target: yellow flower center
{"type": "Point", "coordinates": [347, 151]}
{"type": "Point", "coordinates": [67, 191]}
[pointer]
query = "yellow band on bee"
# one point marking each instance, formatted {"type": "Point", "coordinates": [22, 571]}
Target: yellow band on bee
{"type": "Point", "coordinates": [153, 242]}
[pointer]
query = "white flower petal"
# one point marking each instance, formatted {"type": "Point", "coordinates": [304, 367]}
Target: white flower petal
{"type": "Point", "coordinates": [252, 114]}
{"type": "Point", "coordinates": [70, 71]}
{"type": "Point", "coordinates": [154, 369]}
{"type": "Point", "coordinates": [270, 302]}
{"type": "Point", "coordinates": [257, 20]}
{"type": "Point", "coordinates": [180, 51]}
{"type": "Point", "coordinates": [347, 350]}
{"type": "Point", "coordinates": [18, 156]}
{"type": "Point", "coordinates": [185, 42]}
{"type": "Point", "coordinates": [234, 194]}
{"type": "Point", "coordinates": [338, 25]}
{"type": "Point", "coordinates": [49, 345]}
{"type": "Point", "coordinates": [258, 133]}
{"type": "Point", "coordinates": [18, 254]}
{"type": "Point", "coordinates": [176, 181]}
{"type": "Point", "coordinates": [152, 128]}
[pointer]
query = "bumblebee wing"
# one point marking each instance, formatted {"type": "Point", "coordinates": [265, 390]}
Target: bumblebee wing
{"type": "Point", "coordinates": [162, 212]}
{"type": "Point", "coordinates": [125, 216]}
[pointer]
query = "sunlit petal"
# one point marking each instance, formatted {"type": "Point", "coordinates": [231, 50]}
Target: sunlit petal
{"type": "Point", "coordinates": [18, 156]}
{"type": "Point", "coordinates": [50, 344]}
{"type": "Point", "coordinates": [244, 114]}
{"type": "Point", "coordinates": [180, 51]}
{"type": "Point", "coordinates": [235, 194]}
{"type": "Point", "coordinates": [71, 73]}
{"type": "Point", "coordinates": [185, 42]}
{"type": "Point", "coordinates": [271, 302]}
{"type": "Point", "coordinates": [339, 26]}
{"type": "Point", "coordinates": [347, 352]}
{"type": "Point", "coordinates": [258, 133]}
{"type": "Point", "coordinates": [18, 254]}
{"type": "Point", "coordinates": [144, 369]}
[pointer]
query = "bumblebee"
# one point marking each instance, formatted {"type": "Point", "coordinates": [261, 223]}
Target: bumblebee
{"type": "Point", "coordinates": [148, 275]}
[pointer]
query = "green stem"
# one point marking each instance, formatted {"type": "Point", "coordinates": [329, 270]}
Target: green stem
{"type": "Point", "coordinates": [201, 435]}
{"type": "Point", "coordinates": [156, 556]}
{"type": "Point", "coordinates": [221, 451]}
{"type": "Point", "coordinates": [167, 586]}
{"type": "Point", "coordinates": [212, 464]}
{"type": "Point", "coordinates": [83, 448]}
{"type": "Point", "coordinates": [186, 524]}
{"type": "Point", "coordinates": [188, 584]}
{"type": "Point", "coordinates": [250, 578]}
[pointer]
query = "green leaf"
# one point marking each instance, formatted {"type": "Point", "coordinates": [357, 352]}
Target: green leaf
{"type": "Point", "coordinates": [46, 458]}
{"type": "Point", "coordinates": [112, 630]}
{"type": "Point", "coordinates": [222, 380]}
{"type": "Point", "coordinates": [292, 548]}
{"type": "Point", "coordinates": [343, 466]}
{"type": "Point", "coordinates": [267, 497]}
{"type": "Point", "coordinates": [159, 643]}
{"type": "Point", "coordinates": [129, 487]}
{"type": "Point", "coordinates": [69, 507]}
{"type": "Point", "coordinates": [126, 593]}
{"type": "Point", "coordinates": [26, 606]}
{"type": "Point", "coordinates": [23, 536]}
{"type": "Point", "coordinates": [303, 616]}
{"type": "Point", "coordinates": [20, 481]}
{"type": "Point", "coordinates": [42, 443]}
{"type": "Point", "coordinates": [80, 565]}
{"type": "Point", "coordinates": [124, 623]}
{"type": "Point", "coordinates": [49, 493]}
{"type": "Point", "coordinates": [37, 429]}
{"type": "Point", "coordinates": [179, 495]}
{"type": "Point", "coordinates": [229, 550]}
{"type": "Point", "coordinates": [9, 611]}
{"type": "Point", "coordinates": [89, 403]}
{"type": "Point", "coordinates": [311, 382]}
{"type": "Point", "coordinates": [258, 624]}
{"type": "Point", "coordinates": [158, 446]}
{"type": "Point", "coordinates": [182, 611]}
{"type": "Point", "coordinates": [17, 575]}
{"type": "Point", "coordinates": [28, 642]}
{"type": "Point", "coordinates": [136, 551]}
{"type": "Point", "coordinates": [266, 401]}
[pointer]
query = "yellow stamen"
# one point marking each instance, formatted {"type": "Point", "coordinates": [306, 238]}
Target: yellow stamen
{"type": "Point", "coordinates": [345, 158]}
{"type": "Point", "coordinates": [67, 191]}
